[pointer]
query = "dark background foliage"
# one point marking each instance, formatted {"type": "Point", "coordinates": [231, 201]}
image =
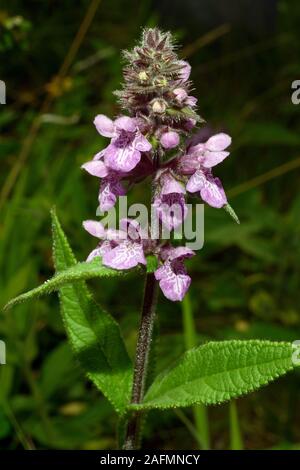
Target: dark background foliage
{"type": "Point", "coordinates": [245, 55]}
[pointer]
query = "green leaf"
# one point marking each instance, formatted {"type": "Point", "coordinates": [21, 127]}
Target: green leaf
{"type": "Point", "coordinates": [218, 371]}
{"type": "Point", "coordinates": [94, 335]}
{"type": "Point", "coordinates": [76, 272]}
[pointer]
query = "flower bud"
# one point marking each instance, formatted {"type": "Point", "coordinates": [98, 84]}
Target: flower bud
{"type": "Point", "coordinates": [158, 106]}
{"type": "Point", "coordinates": [180, 94]}
{"type": "Point", "coordinates": [169, 140]}
{"type": "Point", "coordinates": [143, 76]}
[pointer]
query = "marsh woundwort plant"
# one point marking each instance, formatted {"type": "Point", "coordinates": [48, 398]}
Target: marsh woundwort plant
{"type": "Point", "coordinates": [151, 144]}
{"type": "Point", "coordinates": [150, 141]}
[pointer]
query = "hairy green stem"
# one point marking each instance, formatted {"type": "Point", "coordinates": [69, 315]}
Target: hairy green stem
{"type": "Point", "coordinates": [133, 431]}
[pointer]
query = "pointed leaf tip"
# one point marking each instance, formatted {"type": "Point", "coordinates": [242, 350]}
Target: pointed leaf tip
{"type": "Point", "coordinates": [232, 213]}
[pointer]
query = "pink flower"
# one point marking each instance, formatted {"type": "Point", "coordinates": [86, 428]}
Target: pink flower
{"type": "Point", "coordinates": [198, 163]}
{"type": "Point", "coordinates": [127, 142]}
{"type": "Point", "coordinates": [169, 140]}
{"type": "Point", "coordinates": [169, 201]}
{"type": "Point", "coordinates": [119, 249]}
{"type": "Point", "coordinates": [172, 276]}
{"type": "Point", "coordinates": [111, 186]}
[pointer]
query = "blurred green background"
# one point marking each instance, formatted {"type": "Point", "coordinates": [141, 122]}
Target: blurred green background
{"type": "Point", "coordinates": [60, 61]}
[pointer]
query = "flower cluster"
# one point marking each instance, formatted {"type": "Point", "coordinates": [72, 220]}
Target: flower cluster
{"type": "Point", "coordinates": [149, 141]}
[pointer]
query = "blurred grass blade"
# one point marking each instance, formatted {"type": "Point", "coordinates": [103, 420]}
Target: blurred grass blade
{"type": "Point", "coordinates": [199, 411]}
{"type": "Point", "coordinates": [236, 439]}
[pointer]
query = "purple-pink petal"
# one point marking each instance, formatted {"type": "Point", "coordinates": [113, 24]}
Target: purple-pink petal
{"type": "Point", "coordinates": [211, 159]}
{"type": "Point", "coordinates": [218, 142]}
{"type": "Point", "coordinates": [198, 149]}
{"type": "Point", "coordinates": [99, 155]}
{"type": "Point", "coordinates": [185, 70]}
{"type": "Point", "coordinates": [180, 94]}
{"type": "Point", "coordinates": [141, 143]}
{"type": "Point", "coordinates": [174, 286]}
{"type": "Point", "coordinates": [171, 185]}
{"type": "Point", "coordinates": [132, 228]}
{"type": "Point", "coordinates": [171, 211]}
{"type": "Point", "coordinates": [180, 252]}
{"type": "Point", "coordinates": [125, 256]}
{"type": "Point", "coordinates": [126, 123]}
{"type": "Point", "coordinates": [104, 125]}
{"type": "Point", "coordinates": [191, 101]}
{"type": "Point", "coordinates": [109, 190]}
{"type": "Point", "coordinates": [196, 182]}
{"type": "Point", "coordinates": [94, 228]}
{"type": "Point", "coordinates": [188, 164]}
{"type": "Point", "coordinates": [213, 192]}
{"type": "Point", "coordinates": [96, 168]}
{"type": "Point", "coordinates": [122, 159]}
{"type": "Point", "coordinates": [189, 124]}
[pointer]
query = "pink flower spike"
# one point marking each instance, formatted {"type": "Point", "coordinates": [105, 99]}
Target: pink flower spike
{"type": "Point", "coordinates": [104, 125]}
{"type": "Point", "coordinates": [169, 140]}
